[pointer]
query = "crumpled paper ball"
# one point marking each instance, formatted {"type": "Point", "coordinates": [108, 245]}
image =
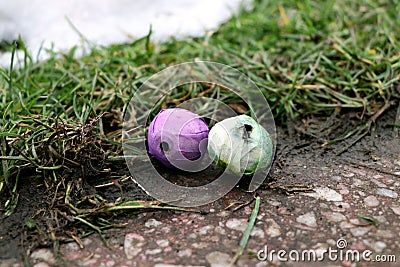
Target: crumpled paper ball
{"type": "Point", "coordinates": [241, 145]}
{"type": "Point", "coordinates": [175, 135]}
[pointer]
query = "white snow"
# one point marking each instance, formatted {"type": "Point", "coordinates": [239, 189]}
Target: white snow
{"type": "Point", "coordinates": [63, 24]}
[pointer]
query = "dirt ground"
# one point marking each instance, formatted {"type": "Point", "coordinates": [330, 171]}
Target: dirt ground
{"type": "Point", "coordinates": [317, 197]}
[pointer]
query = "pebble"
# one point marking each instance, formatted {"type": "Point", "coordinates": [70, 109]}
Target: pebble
{"type": "Point", "coordinates": [200, 245]}
{"type": "Point", "coordinates": [185, 253]}
{"type": "Point", "coordinates": [237, 224]}
{"type": "Point", "coordinates": [110, 263]}
{"type": "Point", "coordinates": [89, 262]}
{"type": "Point", "coordinates": [45, 255]}
{"type": "Point", "coordinates": [357, 182]}
{"type": "Point", "coordinates": [41, 264]}
{"type": "Point", "coordinates": [218, 259]}
{"type": "Point", "coordinates": [340, 206]}
{"type": "Point", "coordinates": [307, 219]}
{"type": "Point", "coordinates": [220, 230]}
{"type": "Point", "coordinates": [345, 225]}
{"type": "Point", "coordinates": [152, 223]}
{"type": "Point", "coordinates": [223, 213]}
{"type": "Point", "coordinates": [172, 265]}
{"type": "Point", "coordinates": [379, 246]}
{"type": "Point", "coordinates": [203, 230]}
{"type": "Point", "coordinates": [10, 262]}
{"type": "Point", "coordinates": [384, 233]}
{"type": "Point", "coordinates": [371, 201]}
{"type": "Point", "coordinates": [273, 229]}
{"type": "Point", "coordinates": [153, 251]}
{"type": "Point", "coordinates": [359, 231]}
{"type": "Point", "coordinates": [325, 193]}
{"type": "Point", "coordinates": [192, 236]}
{"type": "Point", "coordinates": [133, 244]}
{"type": "Point", "coordinates": [380, 184]}
{"type": "Point", "coordinates": [257, 232]}
{"type": "Point", "coordinates": [396, 209]}
{"type": "Point", "coordinates": [386, 193]}
{"type": "Point", "coordinates": [344, 191]}
{"type": "Point", "coordinates": [162, 243]}
{"type": "Point", "coordinates": [347, 174]}
{"type": "Point", "coordinates": [166, 229]}
{"type": "Point", "coordinates": [334, 216]}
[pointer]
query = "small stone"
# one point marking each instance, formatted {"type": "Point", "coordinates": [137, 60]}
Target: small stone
{"type": "Point", "coordinates": [45, 255]}
{"type": "Point", "coordinates": [344, 191]}
{"type": "Point", "coordinates": [203, 230]}
{"type": "Point", "coordinates": [273, 229]}
{"type": "Point", "coordinates": [162, 243]}
{"type": "Point", "coordinates": [200, 245]}
{"type": "Point", "coordinates": [384, 233]}
{"type": "Point", "coordinates": [336, 178]}
{"type": "Point", "coordinates": [386, 193]}
{"type": "Point", "coordinates": [396, 210]}
{"type": "Point", "coordinates": [185, 253]}
{"type": "Point", "coordinates": [379, 184]}
{"type": "Point", "coordinates": [357, 182]}
{"type": "Point", "coordinates": [192, 235]}
{"type": "Point", "coordinates": [347, 174]}
{"type": "Point", "coordinates": [133, 244]}
{"type": "Point", "coordinates": [166, 229]}
{"type": "Point", "coordinates": [220, 230]}
{"type": "Point", "coordinates": [307, 219]}
{"type": "Point", "coordinates": [371, 201]}
{"type": "Point", "coordinates": [334, 216]}
{"type": "Point", "coordinates": [325, 193]}
{"type": "Point", "coordinates": [359, 231]}
{"type": "Point", "coordinates": [41, 264]}
{"type": "Point", "coordinates": [237, 224]}
{"type": "Point", "coordinates": [152, 223]}
{"type": "Point", "coordinates": [345, 225]}
{"type": "Point", "coordinates": [218, 259]}
{"type": "Point", "coordinates": [340, 206]}
{"type": "Point", "coordinates": [379, 246]}
{"type": "Point", "coordinates": [10, 262]}
{"type": "Point", "coordinates": [87, 241]}
{"type": "Point", "coordinates": [89, 262]}
{"type": "Point", "coordinates": [223, 213]}
{"type": "Point", "coordinates": [153, 251]}
{"type": "Point", "coordinates": [257, 232]}
{"type": "Point", "coordinates": [380, 219]}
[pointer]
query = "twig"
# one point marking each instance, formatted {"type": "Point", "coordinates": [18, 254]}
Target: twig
{"type": "Point", "coordinates": [247, 232]}
{"type": "Point", "coordinates": [366, 127]}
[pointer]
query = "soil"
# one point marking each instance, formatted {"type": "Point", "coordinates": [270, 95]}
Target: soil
{"type": "Point", "coordinates": [360, 204]}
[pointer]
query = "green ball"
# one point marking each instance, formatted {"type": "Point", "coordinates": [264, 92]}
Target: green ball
{"type": "Point", "coordinates": [241, 145]}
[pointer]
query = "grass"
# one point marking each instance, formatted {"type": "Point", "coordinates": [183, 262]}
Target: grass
{"type": "Point", "coordinates": [308, 57]}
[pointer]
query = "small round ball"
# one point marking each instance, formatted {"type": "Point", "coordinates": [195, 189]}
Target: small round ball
{"type": "Point", "coordinates": [176, 134]}
{"type": "Point", "coordinates": [241, 145]}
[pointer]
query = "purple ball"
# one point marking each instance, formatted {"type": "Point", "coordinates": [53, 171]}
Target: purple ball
{"type": "Point", "coordinates": [175, 135]}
